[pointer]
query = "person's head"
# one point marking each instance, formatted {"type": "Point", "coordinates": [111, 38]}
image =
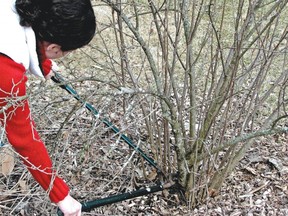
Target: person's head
{"type": "Point", "coordinates": [68, 24]}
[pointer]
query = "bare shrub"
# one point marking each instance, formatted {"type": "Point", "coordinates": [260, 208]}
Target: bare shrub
{"type": "Point", "coordinates": [211, 76]}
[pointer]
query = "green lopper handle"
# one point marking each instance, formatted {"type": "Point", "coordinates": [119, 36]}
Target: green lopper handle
{"type": "Point", "coordinates": [88, 206]}
{"type": "Point", "coordinates": [57, 78]}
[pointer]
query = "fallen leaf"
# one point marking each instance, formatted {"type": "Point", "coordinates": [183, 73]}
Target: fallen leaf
{"type": "Point", "coordinates": [23, 185]}
{"type": "Point", "coordinates": [152, 176]}
{"type": "Point", "coordinates": [251, 171]}
{"type": "Point", "coordinates": [276, 163]}
{"type": "Point", "coordinates": [7, 161]}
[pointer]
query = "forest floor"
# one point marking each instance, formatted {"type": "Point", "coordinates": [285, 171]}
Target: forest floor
{"type": "Point", "coordinates": [258, 186]}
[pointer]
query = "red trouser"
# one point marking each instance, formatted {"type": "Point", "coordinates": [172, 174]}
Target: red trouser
{"type": "Point", "coordinates": [21, 132]}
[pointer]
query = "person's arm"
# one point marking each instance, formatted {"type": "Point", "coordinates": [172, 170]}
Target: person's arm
{"type": "Point", "coordinates": [24, 138]}
{"type": "Point", "coordinates": [22, 135]}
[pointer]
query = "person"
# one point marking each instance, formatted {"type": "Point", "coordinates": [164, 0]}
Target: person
{"type": "Point", "coordinates": [33, 32]}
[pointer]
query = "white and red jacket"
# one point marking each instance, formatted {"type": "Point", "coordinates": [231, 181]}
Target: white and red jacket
{"type": "Point", "coordinates": [17, 56]}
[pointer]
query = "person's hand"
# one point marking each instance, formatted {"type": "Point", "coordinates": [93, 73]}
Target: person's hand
{"type": "Point", "coordinates": [69, 206]}
{"type": "Point", "coordinates": [49, 75]}
{"type": "Point", "coordinates": [49, 66]}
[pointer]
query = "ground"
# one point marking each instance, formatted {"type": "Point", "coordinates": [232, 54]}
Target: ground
{"type": "Point", "coordinates": [258, 186]}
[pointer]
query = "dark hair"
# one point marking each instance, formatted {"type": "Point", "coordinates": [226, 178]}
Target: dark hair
{"type": "Point", "coordinates": [68, 23]}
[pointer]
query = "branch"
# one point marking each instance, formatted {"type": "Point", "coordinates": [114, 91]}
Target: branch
{"type": "Point", "coordinates": [244, 138]}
